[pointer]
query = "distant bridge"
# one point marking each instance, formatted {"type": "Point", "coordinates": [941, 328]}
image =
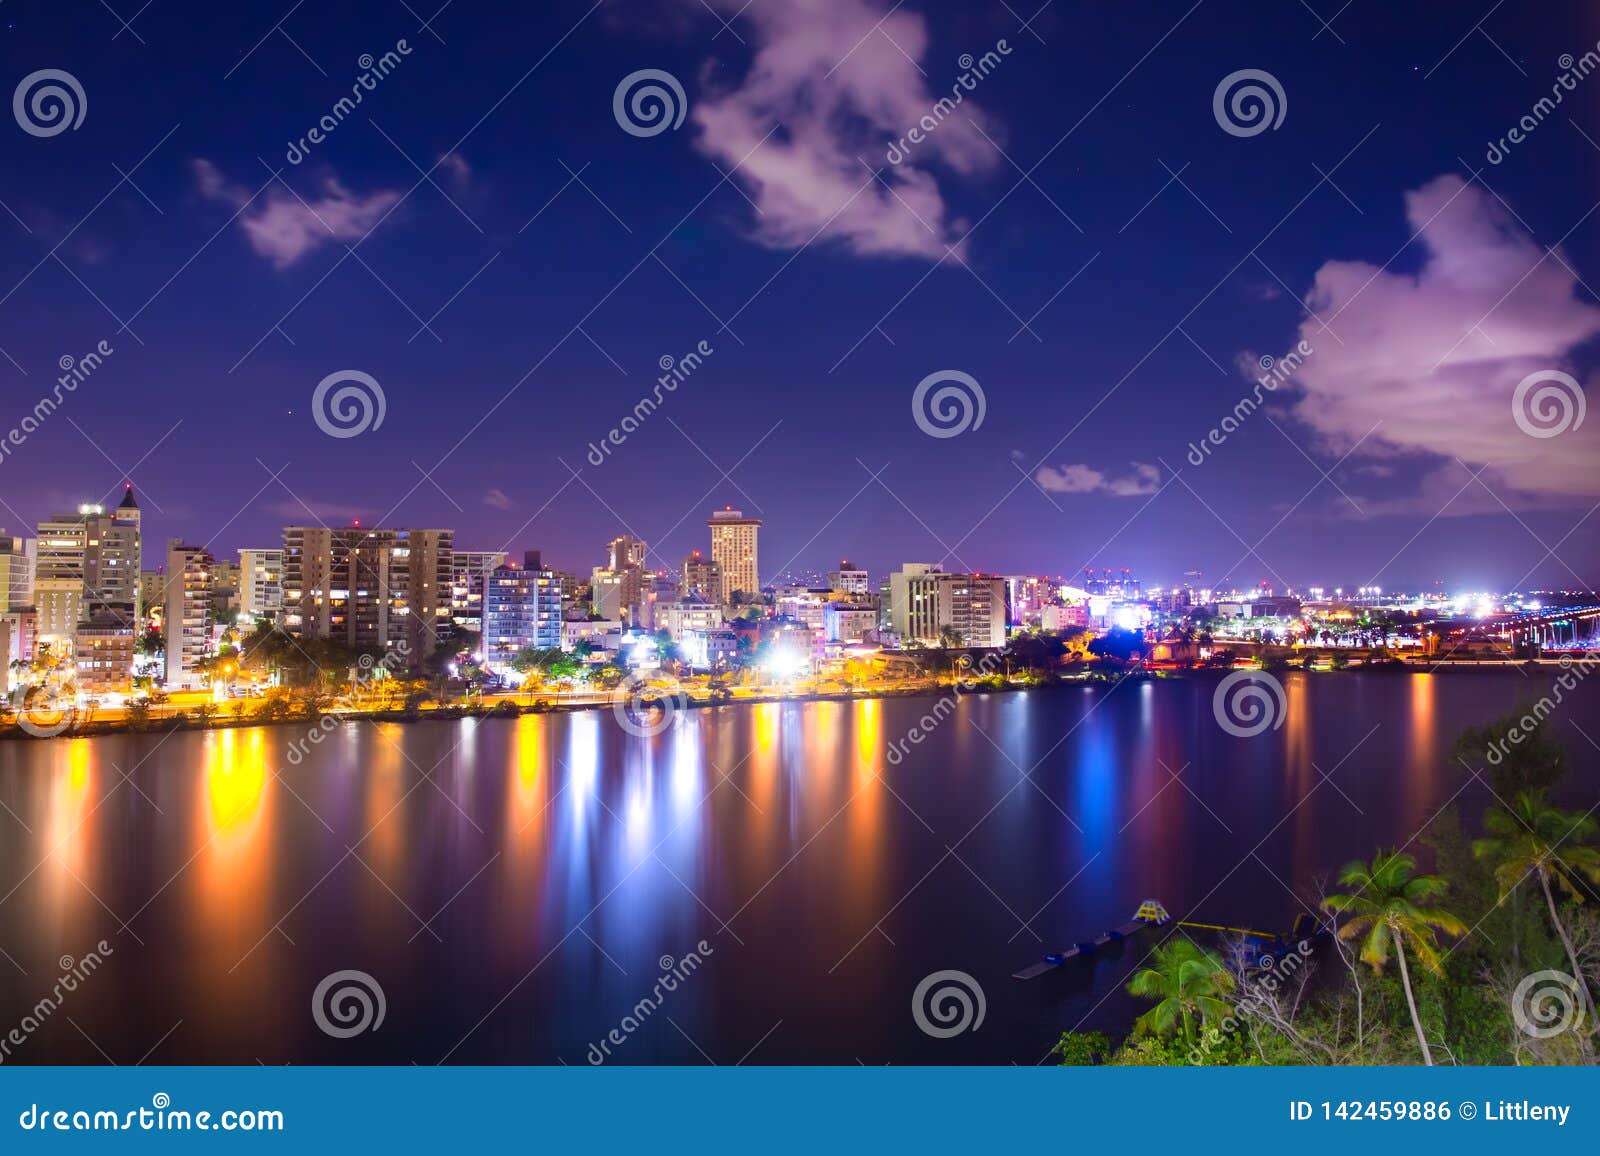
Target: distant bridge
{"type": "Point", "coordinates": [1555, 628]}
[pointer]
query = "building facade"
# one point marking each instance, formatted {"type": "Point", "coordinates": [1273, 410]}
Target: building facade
{"type": "Point", "coordinates": [625, 552]}
{"type": "Point", "coordinates": [845, 622]}
{"type": "Point", "coordinates": [701, 578]}
{"type": "Point", "coordinates": [104, 653]}
{"type": "Point", "coordinates": [368, 589]}
{"type": "Point", "coordinates": [925, 602]}
{"type": "Point", "coordinates": [111, 557]}
{"type": "Point", "coordinates": [469, 577]}
{"type": "Point", "coordinates": [16, 572]}
{"type": "Point", "coordinates": [849, 579]}
{"type": "Point", "coordinates": [735, 548]}
{"type": "Point", "coordinates": [521, 609]}
{"type": "Point", "coordinates": [261, 583]}
{"type": "Point", "coordinates": [186, 622]}
{"type": "Point", "coordinates": [680, 618]}
{"type": "Point", "coordinates": [85, 562]}
{"type": "Point", "coordinates": [58, 573]}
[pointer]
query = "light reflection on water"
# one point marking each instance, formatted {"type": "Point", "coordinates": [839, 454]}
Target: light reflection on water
{"type": "Point", "coordinates": [514, 883]}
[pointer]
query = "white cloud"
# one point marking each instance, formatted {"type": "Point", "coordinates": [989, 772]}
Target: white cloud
{"type": "Point", "coordinates": [839, 77]}
{"type": "Point", "coordinates": [1081, 479]}
{"type": "Point", "coordinates": [455, 166]}
{"type": "Point", "coordinates": [497, 499]}
{"type": "Point", "coordinates": [284, 228]}
{"type": "Point", "coordinates": [1432, 358]}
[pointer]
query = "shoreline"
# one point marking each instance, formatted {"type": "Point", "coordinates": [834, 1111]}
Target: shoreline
{"type": "Point", "coordinates": [508, 707]}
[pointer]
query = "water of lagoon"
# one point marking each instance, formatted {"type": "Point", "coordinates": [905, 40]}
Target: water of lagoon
{"type": "Point", "coordinates": [514, 885]}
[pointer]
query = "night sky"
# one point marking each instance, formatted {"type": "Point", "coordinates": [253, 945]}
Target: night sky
{"type": "Point", "coordinates": [1111, 306]}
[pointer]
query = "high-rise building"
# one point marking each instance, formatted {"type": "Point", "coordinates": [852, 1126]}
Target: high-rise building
{"type": "Point", "coordinates": [609, 590]}
{"type": "Point", "coordinates": [625, 551]}
{"type": "Point", "coordinates": [521, 609]}
{"type": "Point", "coordinates": [925, 602]}
{"type": "Point", "coordinates": [847, 579]}
{"type": "Point", "coordinates": [111, 557]}
{"type": "Point", "coordinates": [702, 579]}
{"type": "Point", "coordinates": [469, 575]}
{"type": "Point", "coordinates": [977, 609]}
{"type": "Point", "coordinates": [261, 583]}
{"type": "Point", "coordinates": [58, 585]}
{"type": "Point", "coordinates": [368, 589]}
{"type": "Point", "coordinates": [85, 561]}
{"type": "Point", "coordinates": [16, 572]}
{"type": "Point", "coordinates": [624, 570]}
{"type": "Point", "coordinates": [187, 619]}
{"type": "Point", "coordinates": [735, 548]}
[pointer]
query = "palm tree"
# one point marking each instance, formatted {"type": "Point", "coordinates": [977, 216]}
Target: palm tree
{"type": "Point", "coordinates": [1389, 908]}
{"type": "Point", "coordinates": [1188, 982]}
{"type": "Point", "coordinates": [1531, 837]}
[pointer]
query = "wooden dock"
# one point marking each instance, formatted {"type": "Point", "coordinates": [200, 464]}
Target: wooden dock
{"type": "Point", "coordinates": [1150, 914]}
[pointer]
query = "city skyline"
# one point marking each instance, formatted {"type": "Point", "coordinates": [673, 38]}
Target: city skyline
{"type": "Point", "coordinates": [659, 563]}
{"type": "Point", "coordinates": [718, 288]}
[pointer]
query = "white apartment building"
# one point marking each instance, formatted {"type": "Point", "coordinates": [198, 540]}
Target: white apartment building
{"type": "Point", "coordinates": [261, 583]}
{"type": "Point", "coordinates": [849, 579]}
{"type": "Point", "coordinates": [924, 601]}
{"type": "Point", "coordinates": [679, 618]}
{"type": "Point", "coordinates": [187, 622]}
{"type": "Point", "coordinates": [843, 622]}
